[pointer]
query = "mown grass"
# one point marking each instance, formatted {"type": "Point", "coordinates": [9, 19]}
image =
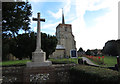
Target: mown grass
{"type": "Point", "coordinates": [59, 61]}
{"type": "Point", "coordinates": [108, 61]}
{"type": "Point", "coordinates": [16, 62]}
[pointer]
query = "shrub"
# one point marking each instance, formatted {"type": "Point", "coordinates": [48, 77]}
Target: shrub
{"type": "Point", "coordinates": [65, 60]}
{"type": "Point", "coordinates": [82, 73]}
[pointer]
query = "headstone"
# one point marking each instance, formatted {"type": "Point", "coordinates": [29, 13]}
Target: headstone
{"type": "Point", "coordinates": [38, 57]}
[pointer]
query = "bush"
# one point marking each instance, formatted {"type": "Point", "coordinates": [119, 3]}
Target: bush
{"type": "Point", "coordinates": [82, 73]}
{"type": "Point", "coordinates": [65, 60]}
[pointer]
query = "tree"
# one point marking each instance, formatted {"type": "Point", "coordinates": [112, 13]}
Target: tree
{"type": "Point", "coordinates": [111, 48]}
{"type": "Point", "coordinates": [5, 46]}
{"type": "Point", "coordinates": [88, 52]}
{"type": "Point", "coordinates": [95, 52]}
{"type": "Point", "coordinates": [48, 44]}
{"type": "Point", "coordinates": [80, 50]}
{"type": "Point", "coordinates": [118, 46]}
{"type": "Point", "coordinates": [25, 44]}
{"type": "Point", "coordinates": [15, 16]}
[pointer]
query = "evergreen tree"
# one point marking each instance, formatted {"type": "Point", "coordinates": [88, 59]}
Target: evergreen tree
{"type": "Point", "coordinates": [88, 52]}
{"type": "Point", "coordinates": [48, 44]}
{"type": "Point", "coordinates": [111, 48]}
{"type": "Point", "coordinates": [25, 44]}
{"type": "Point", "coordinates": [80, 50]}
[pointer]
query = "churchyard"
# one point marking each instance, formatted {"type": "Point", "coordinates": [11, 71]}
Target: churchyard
{"type": "Point", "coordinates": [64, 67]}
{"type": "Point", "coordinates": [57, 70]}
{"type": "Point", "coordinates": [64, 71]}
{"type": "Point", "coordinates": [108, 61]}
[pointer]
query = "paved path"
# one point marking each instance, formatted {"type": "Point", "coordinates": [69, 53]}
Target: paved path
{"type": "Point", "coordinates": [88, 61]}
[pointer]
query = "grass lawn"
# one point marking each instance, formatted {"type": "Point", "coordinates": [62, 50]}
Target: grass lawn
{"type": "Point", "coordinates": [108, 61]}
{"type": "Point", "coordinates": [16, 62]}
{"type": "Point", "coordinates": [20, 62]}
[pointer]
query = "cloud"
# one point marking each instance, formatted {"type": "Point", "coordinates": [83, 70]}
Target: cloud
{"type": "Point", "coordinates": [67, 6]}
{"type": "Point", "coordinates": [56, 15]}
{"type": "Point", "coordinates": [66, 9]}
{"type": "Point", "coordinates": [48, 28]}
{"type": "Point", "coordinates": [47, 0]}
{"type": "Point", "coordinates": [105, 28]}
{"type": "Point", "coordinates": [50, 25]}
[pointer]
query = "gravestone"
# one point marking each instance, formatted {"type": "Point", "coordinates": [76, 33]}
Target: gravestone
{"type": "Point", "coordinates": [38, 56]}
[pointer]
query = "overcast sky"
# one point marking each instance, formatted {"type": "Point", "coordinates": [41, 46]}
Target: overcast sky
{"type": "Point", "coordinates": [94, 22]}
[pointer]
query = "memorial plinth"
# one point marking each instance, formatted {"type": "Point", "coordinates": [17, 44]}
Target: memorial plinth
{"type": "Point", "coordinates": [38, 57]}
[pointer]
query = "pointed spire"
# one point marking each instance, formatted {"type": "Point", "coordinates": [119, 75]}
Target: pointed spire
{"type": "Point", "coordinates": [63, 21]}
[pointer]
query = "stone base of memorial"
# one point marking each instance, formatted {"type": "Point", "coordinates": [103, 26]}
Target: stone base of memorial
{"type": "Point", "coordinates": [38, 60]}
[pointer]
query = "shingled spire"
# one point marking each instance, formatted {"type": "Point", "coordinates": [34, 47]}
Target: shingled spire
{"type": "Point", "coordinates": [63, 21]}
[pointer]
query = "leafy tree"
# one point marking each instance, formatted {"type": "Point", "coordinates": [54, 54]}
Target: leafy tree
{"type": "Point", "coordinates": [118, 46]}
{"type": "Point", "coordinates": [80, 50]}
{"type": "Point", "coordinates": [95, 52]}
{"type": "Point", "coordinates": [48, 44]}
{"type": "Point", "coordinates": [5, 46]}
{"type": "Point", "coordinates": [88, 52]}
{"type": "Point", "coordinates": [15, 16]}
{"type": "Point", "coordinates": [25, 44]}
{"type": "Point", "coordinates": [110, 48]}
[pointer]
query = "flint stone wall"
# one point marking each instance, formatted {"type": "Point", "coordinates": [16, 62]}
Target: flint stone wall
{"type": "Point", "coordinates": [39, 75]}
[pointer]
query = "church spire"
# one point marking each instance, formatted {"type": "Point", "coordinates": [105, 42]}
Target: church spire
{"type": "Point", "coordinates": [63, 21]}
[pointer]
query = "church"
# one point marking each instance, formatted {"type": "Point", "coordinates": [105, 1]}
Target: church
{"type": "Point", "coordinates": [66, 41]}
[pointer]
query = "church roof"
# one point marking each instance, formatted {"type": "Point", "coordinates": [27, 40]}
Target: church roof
{"type": "Point", "coordinates": [60, 47]}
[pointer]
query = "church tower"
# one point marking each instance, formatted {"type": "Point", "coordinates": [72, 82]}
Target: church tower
{"type": "Point", "coordinates": [65, 36]}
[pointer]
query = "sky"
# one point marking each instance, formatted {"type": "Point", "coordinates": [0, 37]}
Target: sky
{"type": "Point", "coordinates": [94, 22]}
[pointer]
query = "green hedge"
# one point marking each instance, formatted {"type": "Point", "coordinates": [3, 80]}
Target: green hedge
{"type": "Point", "coordinates": [65, 60]}
{"type": "Point", "coordinates": [97, 75]}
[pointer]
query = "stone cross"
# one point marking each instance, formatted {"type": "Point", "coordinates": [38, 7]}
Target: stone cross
{"type": "Point", "coordinates": [38, 56]}
{"type": "Point", "coordinates": [38, 44]}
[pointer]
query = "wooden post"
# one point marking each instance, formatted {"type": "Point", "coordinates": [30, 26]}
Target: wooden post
{"type": "Point", "coordinates": [118, 61]}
